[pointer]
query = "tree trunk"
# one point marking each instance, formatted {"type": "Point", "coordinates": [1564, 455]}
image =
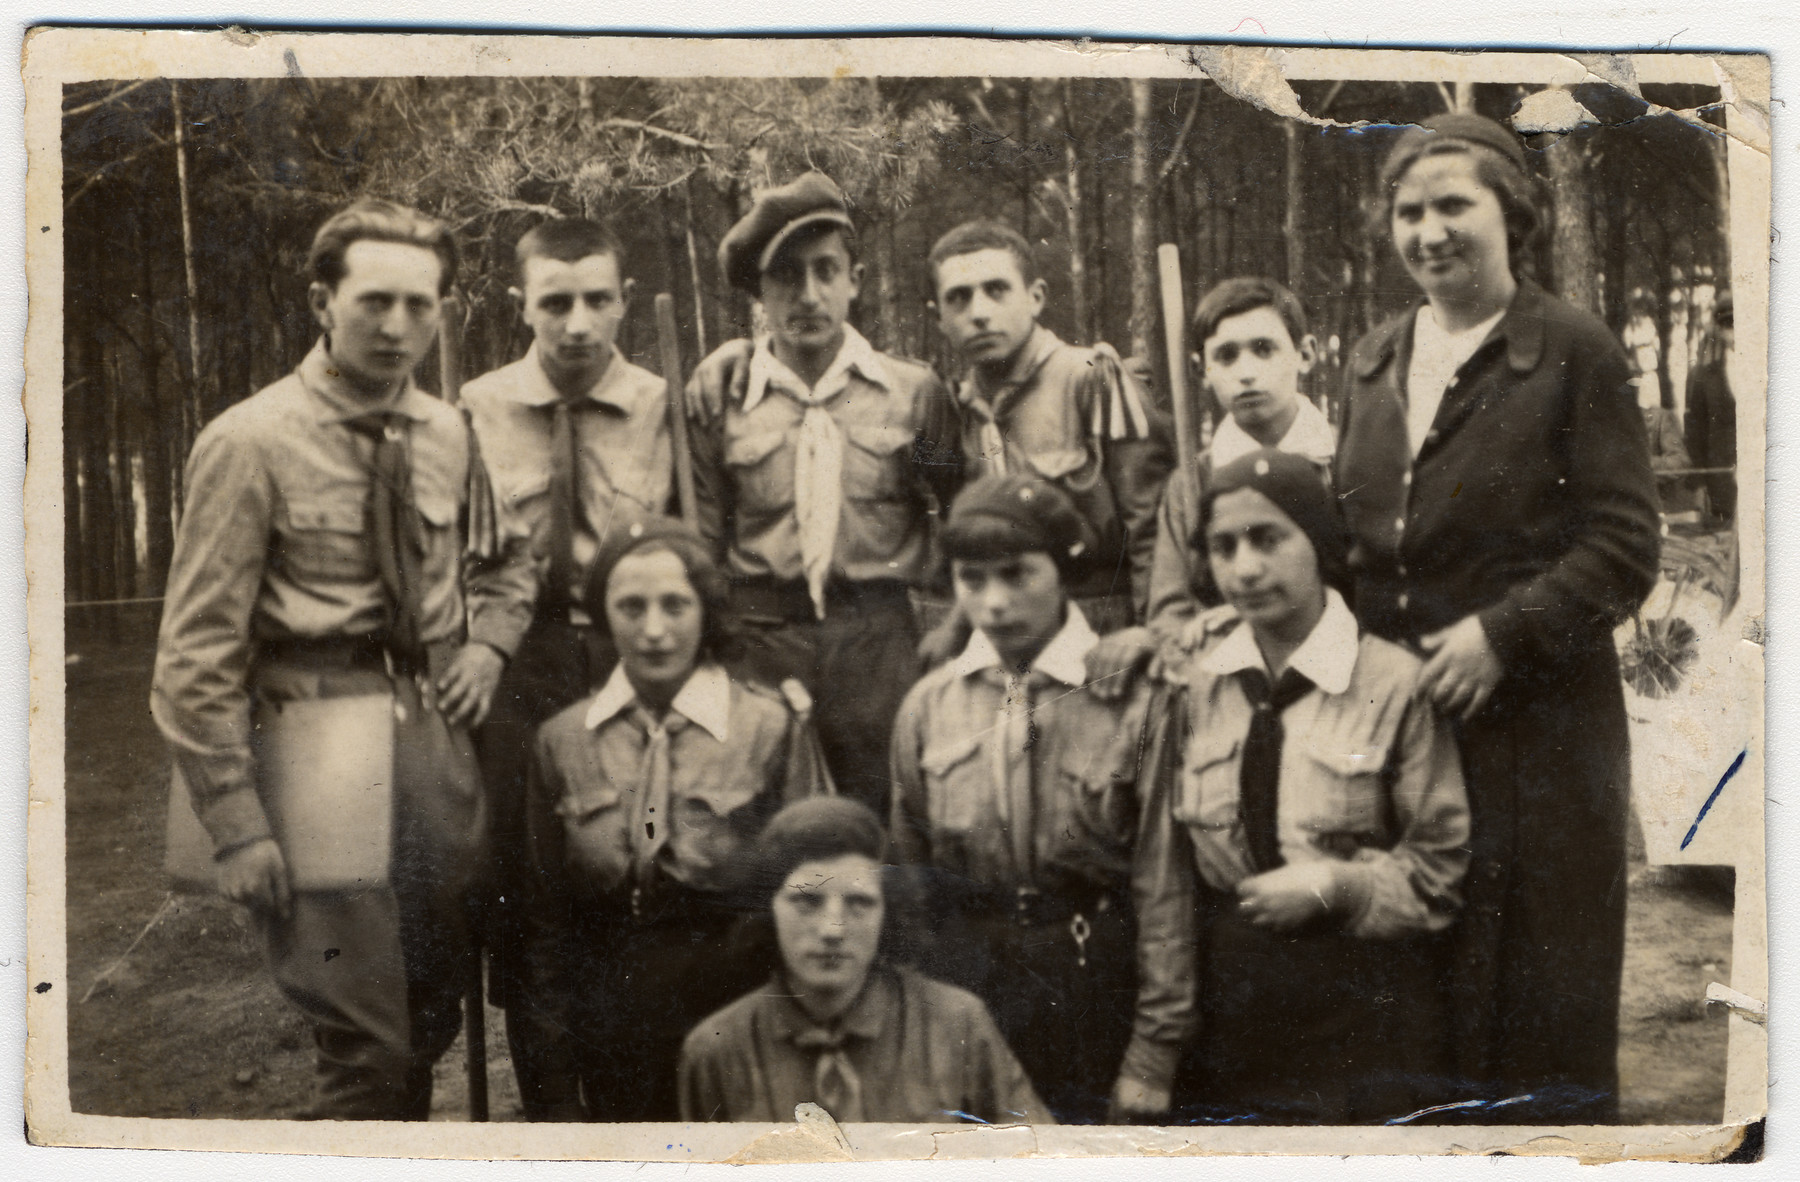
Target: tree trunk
{"type": "Point", "coordinates": [693, 253]}
{"type": "Point", "coordinates": [191, 415]}
{"type": "Point", "coordinates": [1572, 235]}
{"type": "Point", "coordinates": [1143, 245]}
{"type": "Point", "coordinates": [1078, 293]}
{"type": "Point", "coordinates": [1290, 218]}
{"type": "Point", "coordinates": [887, 295]}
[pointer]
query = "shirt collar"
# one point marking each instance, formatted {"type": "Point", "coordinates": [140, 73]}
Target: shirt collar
{"type": "Point", "coordinates": [534, 387]}
{"type": "Point", "coordinates": [1308, 435]}
{"type": "Point", "coordinates": [855, 354]}
{"type": "Point", "coordinates": [1064, 658]}
{"type": "Point", "coordinates": [1031, 357]}
{"type": "Point", "coordinates": [344, 401]}
{"type": "Point", "coordinates": [864, 1019]}
{"type": "Point", "coordinates": [1327, 656]}
{"type": "Point", "coordinates": [705, 700]}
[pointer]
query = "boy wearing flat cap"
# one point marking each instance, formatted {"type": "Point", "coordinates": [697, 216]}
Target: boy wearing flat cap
{"type": "Point", "coordinates": [815, 481]}
{"type": "Point", "coordinates": [1298, 869]}
{"type": "Point", "coordinates": [1017, 793]}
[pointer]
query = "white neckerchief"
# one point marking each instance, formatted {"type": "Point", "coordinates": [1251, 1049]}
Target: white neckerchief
{"type": "Point", "coordinates": [1437, 355]}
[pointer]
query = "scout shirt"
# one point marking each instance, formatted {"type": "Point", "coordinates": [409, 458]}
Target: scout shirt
{"type": "Point", "coordinates": [919, 1052]}
{"type": "Point", "coordinates": [1178, 564]}
{"type": "Point", "coordinates": [736, 755]}
{"type": "Point", "coordinates": [621, 444]}
{"type": "Point", "coordinates": [960, 742]}
{"type": "Point", "coordinates": [900, 432]}
{"type": "Point", "coordinates": [1074, 417]}
{"type": "Point", "coordinates": [274, 545]}
{"type": "Point", "coordinates": [1370, 779]}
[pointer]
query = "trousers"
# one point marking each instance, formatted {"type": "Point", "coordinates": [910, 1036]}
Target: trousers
{"type": "Point", "coordinates": [857, 663]}
{"type": "Point", "coordinates": [556, 665]}
{"type": "Point", "coordinates": [379, 972]}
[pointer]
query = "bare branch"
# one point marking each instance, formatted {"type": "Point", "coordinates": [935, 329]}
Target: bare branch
{"type": "Point", "coordinates": [114, 97]}
{"type": "Point", "coordinates": [686, 141]}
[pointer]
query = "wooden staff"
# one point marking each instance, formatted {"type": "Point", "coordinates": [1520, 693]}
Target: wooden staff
{"type": "Point", "coordinates": [669, 338]}
{"type": "Point", "coordinates": [1168, 266]}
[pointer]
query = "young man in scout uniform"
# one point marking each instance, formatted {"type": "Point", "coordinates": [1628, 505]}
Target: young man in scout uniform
{"type": "Point", "coordinates": [328, 518]}
{"type": "Point", "coordinates": [576, 438]}
{"type": "Point", "coordinates": [1018, 792]}
{"type": "Point", "coordinates": [1068, 414]}
{"type": "Point", "coordinates": [816, 479]}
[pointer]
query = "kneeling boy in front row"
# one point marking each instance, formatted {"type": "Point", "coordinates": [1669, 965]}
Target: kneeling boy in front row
{"type": "Point", "coordinates": [1296, 877]}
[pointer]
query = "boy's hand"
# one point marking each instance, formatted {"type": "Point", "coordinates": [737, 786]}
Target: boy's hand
{"type": "Point", "coordinates": [1133, 1100]}
{"type": "Point", "coordinates": [723, 373]}
{"type": "Point", "coordinates": [256, 876]}
{"type": "Point", "coordinates": [1115, 664]}
{"type": "Point", "coordinates": [1463, 668]}
{"type": "Point", "coordinates": [466, 690]}
{"type": "Point", "coordinates": [1291, 895]}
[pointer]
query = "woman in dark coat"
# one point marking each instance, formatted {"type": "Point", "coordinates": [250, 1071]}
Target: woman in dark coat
{"type": "Point", "coordinates": [1497, 482]}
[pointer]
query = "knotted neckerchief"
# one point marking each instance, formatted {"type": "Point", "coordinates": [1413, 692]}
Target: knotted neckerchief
{"type": "Point", "coordinates": [651, 827]}
{"type": "Point", "coordinates": [564, 505]}
{"type": "Point", "coordinates": [1017, 728]}
{"type": "Point", "coordinates": [818, 491]}
{"type": "Point", "coordinates": [836, 1084]}
{"type": "Point", "coordinates": [397, 532]}
{"type": "Point", "coordinates": [1259, 774]}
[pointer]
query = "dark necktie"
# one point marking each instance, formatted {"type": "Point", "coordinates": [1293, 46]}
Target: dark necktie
{"type": "Point", "coordinates": [1259, 774]}
{"type": "Point", "coordinates": [398, 534]}
{"type": "Point", "coordinates": [563, 504]}
{"type": "Point", "coordinates": [836, 1085]}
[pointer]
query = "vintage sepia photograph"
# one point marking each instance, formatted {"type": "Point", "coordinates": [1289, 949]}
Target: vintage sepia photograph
{"type": "Point", "coordinates": [1164, 598]}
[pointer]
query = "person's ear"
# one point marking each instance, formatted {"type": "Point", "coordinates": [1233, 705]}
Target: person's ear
{"type": "Point", "coordinates": [318, 297]}
{"type": "Point", "coordinates": [518, 300]}
{"type": "Point", "coordinates": [625, 290]}
{"type": "Point", "coordinates": [1038, 292]}
{"type": "Point", "coordinates": [1309, 352]}
{"type": "Point", "coordinates": [856, 279]}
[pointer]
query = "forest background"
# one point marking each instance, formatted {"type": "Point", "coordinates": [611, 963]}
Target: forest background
{"type": "Point", "coordinates": [189, 207]}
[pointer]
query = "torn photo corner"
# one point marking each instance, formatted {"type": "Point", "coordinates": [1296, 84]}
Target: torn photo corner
{"type": "Point", "coordinates": [1607, 211]}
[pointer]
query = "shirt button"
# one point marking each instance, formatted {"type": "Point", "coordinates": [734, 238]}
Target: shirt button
{"type": "Point", "coordinates": [1400, 523]}
{"type": "Point", "coordinates": [1406, 479]}
{"type": "Point", "coordinates": [1403, 600]}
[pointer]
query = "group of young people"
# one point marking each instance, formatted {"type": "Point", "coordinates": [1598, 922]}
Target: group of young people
{"type": "Point", "coordinates": [1290, 789]}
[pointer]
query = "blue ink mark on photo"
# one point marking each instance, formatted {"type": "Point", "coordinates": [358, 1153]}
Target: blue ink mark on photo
{"type": "Point", "coordinates": [1723, 780]}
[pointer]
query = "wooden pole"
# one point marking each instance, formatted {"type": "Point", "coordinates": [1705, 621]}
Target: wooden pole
{"type": "Point", "coordinates": [669, 337]}
{"type": "Point", "coordinates": [1168, 264]}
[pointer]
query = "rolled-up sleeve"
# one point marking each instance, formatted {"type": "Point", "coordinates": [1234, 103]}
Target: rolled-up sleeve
{"type": "Point", "coordinates": [199, 694]}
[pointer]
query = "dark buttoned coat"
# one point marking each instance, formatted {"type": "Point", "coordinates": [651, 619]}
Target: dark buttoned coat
{"type": "Point", "coordinates": [1531, 504]}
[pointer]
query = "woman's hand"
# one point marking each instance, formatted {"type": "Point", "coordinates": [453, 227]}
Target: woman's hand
{"type": "Point", "coordinates": [1463, 669]}
{"type": "Point", "coordinates": [1117, 661]}
{"type": "Point", "coordinates": [1288, 896]}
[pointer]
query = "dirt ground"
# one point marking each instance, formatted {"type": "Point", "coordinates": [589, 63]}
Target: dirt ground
{"type": "Point", "coordinates": [189, 1025]}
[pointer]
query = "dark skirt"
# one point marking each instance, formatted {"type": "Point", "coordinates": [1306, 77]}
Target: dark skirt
{"type": "Point", "coordinates": [1314, 1027]}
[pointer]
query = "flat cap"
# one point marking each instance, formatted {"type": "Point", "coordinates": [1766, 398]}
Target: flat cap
{"type": "Point", "coordinates": [1002, 515]}
{"type": "Point", "coordinates": [1455, 125]}
{"type": "Point", "coordinates": [749, 247]}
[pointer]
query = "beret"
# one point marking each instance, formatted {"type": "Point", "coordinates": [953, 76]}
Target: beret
{"type": "Point", "coordinates": [808, 200]}
{"type": "Point", "coordinates": [1475, 129]}
{"type": "Point", "coordinates": [1002, 515]}
{"type": "Point", "coordinates": [1297, 487]}
{"type": "Point", "coordinates": [620, 542]}
{"type": "Point", "coordinates": [812, 830]}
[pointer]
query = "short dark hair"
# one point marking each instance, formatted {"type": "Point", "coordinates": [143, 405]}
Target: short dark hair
{"type": "Point", "coordinates": [1520, 196]}
{"type": "Point", "coordinates": [1246, 293]}
{"type": "Point", "coordinates": [718, 638]}
{"type": "Point", "coordinates": [983, 234]}
{"type": "Point", "coordinates": [567, 240]}
{"type": "Point", "coordinates": [376, 220]}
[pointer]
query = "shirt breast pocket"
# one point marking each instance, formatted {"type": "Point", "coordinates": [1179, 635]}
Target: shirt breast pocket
{"type": "Point", "coordinates": [875, 462]}
{"type": "Point", "coordinates": [594, 826]}
{"type": "Point", "coordinates": [1349, 793]}
{"type": "Point", "coordinates": [1103, 795]}
{"type": "Point", "coordinates": [956, 784]}
{"type": "Point", "coordinates": [1208, 796]}
{"type": "Point", "coordinates": [762, 469]}
{"type": "Point", "coordinates": [525, 490]}
{"type": "Point", "coordinates": [325, 540]}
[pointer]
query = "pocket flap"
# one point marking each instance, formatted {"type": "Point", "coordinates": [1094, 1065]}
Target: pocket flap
{"type": "Point", "coordinates": [1347, 761]}
{"type": "Point", "coordinates": [436, 510]}
{"type": "Point", "coordinates": [753, 448]}
{"type": "Point", "coordinates": [941, 757]}
{"type": "Point", "coordinates": [342, 517]}
{"type": "Point", "coordinates": [1211, 751]}
{"type": "Point", "coordinates": [881, 440]}
{"type": "Point", "coordinates": [581, 801]}
{"type": "Point", "coordinates": [528, 486]}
